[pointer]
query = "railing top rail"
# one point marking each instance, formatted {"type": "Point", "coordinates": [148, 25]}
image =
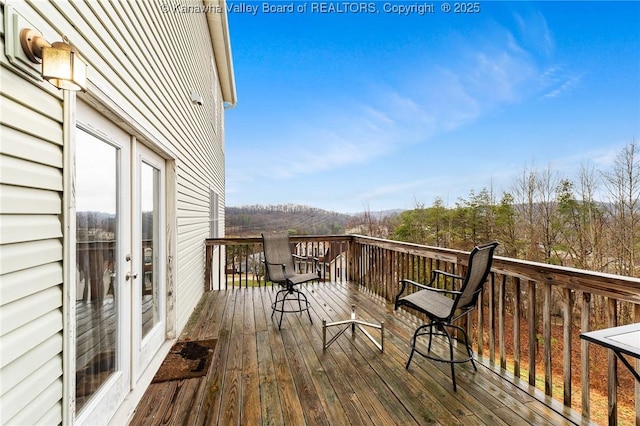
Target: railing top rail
{"type": "Point", "coordinates": [293, 238]}
{"type": "Point", "coordinates": [601, 283]}
{"type": "Point", "coordinates": [609, 285]}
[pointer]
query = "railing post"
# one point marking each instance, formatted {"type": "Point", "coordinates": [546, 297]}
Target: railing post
{"type": "Point", "coordinates": [567, 347]}
{"type": "Point", "coordinates": [584, 355]}
{"type": "Point", "coordinates": [533, 338]}
{"type": "Point", "coordinates": [208, 262]}
{"type": "Point", "coordinates": [612, 394]}
{"type": "Point", "coordinates": [492, 316]}
{"type": "Point", "coordinates": [501, 320]}
{"type": "Point", "coordinates": [636, 316]}
{"type": "Point", "coordinates": [546, 336]}
{"type": "Point", "coordinates": [480, 329]}
{"type": "Point", "coordinates": [516, 327]}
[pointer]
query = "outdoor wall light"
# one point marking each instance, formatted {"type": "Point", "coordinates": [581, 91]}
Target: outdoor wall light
{"type": "Point", "coordinates": [196, 98]}
{"type": "Point", "coordinates": [61, 63]}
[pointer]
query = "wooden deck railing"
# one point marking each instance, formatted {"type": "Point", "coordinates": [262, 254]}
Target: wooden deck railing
{"type": "Point", "coordinates": [526, 308]}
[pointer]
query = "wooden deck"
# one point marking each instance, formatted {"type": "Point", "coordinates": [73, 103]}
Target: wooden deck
{"type": "Point", "coordinates": [262, 375]}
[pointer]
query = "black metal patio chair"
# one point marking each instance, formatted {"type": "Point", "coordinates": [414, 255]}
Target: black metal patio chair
{"type": "Point", "coordinates": [280, 269]}
{"type": "Point", "coordinates": [443, 307]}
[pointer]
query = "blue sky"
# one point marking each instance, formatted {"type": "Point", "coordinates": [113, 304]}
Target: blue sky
{"type": "Point", "coordinates": [373, 111]}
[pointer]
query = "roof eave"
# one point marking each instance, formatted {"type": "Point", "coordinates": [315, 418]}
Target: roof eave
{"type": "Point", "coordinates": [221, 42]}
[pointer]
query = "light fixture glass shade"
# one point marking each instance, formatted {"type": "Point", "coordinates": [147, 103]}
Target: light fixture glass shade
{"type": "Point", "coordinates": [62, 67]}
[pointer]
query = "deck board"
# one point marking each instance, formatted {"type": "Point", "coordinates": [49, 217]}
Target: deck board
{"type": "Point", "coordinates": [262, 375]}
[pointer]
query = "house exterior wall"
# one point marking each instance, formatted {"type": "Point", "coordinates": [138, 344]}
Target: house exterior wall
{"type": "Point", "coordinates": [144, 62]}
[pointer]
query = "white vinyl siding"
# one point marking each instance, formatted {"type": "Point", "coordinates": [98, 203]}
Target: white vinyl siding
{"type": "Point", "coordinates": [214, 214]}
{"type": "Point", "coordinates": [145, 63]}
{"type": "Point", "coordinates": [31, 319]}
{"type": "Point", "coordinates": [166, 57]}
{"type": "Point", "coordinates": [151, 61]}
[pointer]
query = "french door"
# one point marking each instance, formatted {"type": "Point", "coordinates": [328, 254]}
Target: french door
{"type": "Point", "coordinates": [120, 252]}
{"type": "Point", "coordinates": [149, 318]}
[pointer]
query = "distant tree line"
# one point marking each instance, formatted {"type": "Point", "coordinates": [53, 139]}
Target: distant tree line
{"type": "Point", "coordinates": [591, 222]}
{"type": "Point", "coordinates": [296, 219]}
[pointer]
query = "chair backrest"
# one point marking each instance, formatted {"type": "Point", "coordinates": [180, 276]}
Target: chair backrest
{"type": "Point", "coordinates": [480, 260]}
{"type": "Point", "coordinates": [277, 252]}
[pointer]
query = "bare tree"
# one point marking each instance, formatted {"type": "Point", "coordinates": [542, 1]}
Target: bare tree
{"type": "Point", "coordinates": [506, 226]}
{"type": "Point", "coordinates": [547, 212]}
{"type": "Point", "coordinates": [581, 222]}
{"type": "Point", "coordinates": [593, 220]}
{"type": "Point", "coordinates": [623, 186]}
{"type": "Point", "coordinates": [368, 224]}
{"type": "Point", "coordinates": [524, 195]}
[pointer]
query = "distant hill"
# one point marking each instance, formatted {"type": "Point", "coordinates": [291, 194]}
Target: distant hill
{"type": "Point", "coordinates": [248, 221]}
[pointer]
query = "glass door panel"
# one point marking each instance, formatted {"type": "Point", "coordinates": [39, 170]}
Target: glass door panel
{"type": "Point", "coordinates": [149, 327]}
{"type": "Point", "coordinates": [102, 185]}
{"type": "Point", "coordinates": [120, 263]}
{"type": "Point", "coordinates": [98, 235]}
{"type": "Point", "coordinates": [149, 200]}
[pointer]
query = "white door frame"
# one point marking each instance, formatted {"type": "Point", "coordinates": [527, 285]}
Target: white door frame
{"type": "Point", "coordinates": [115, 389]}
{"type": "Point", "coordinates": [81, 115]}
{"type": "Point", "coordinates": [144, 348]}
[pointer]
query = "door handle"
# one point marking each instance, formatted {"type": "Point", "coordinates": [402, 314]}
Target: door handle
{"type": "Point", "coordinates": [130, 275]}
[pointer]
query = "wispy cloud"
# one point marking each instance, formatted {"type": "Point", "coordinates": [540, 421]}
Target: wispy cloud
{"type": "Point", "coordinates": [425, 190]}
{"type": "Point", "coordinates": [535, 39]}
{"type": "Point", "coordinates": [559, 83]}
{"type": "Point", "coordinates": [605, 157]}
{"type": "Point", "coordinates": [534, 32]}
{"type": "Point", "coordinates": [477, 76]}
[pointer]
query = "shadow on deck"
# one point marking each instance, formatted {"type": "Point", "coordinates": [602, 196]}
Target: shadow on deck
{"type": "Point", "coordinates": [262, 375]}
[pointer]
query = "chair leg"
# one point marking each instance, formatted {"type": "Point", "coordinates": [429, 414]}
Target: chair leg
{"type": "Point", "coordinates": [414, 340]}
{"type": "Point", "coordinates": [430, 335]}
{"type": "Point", "coordinates": [274, 307]}
{"type": "Point", "coordinates": [413, 349]}
{"type": "Point", "coordinates": [451, 363]}
{"type": "Point", "coordinates": [442, 329]}
{"type": "Point", "coordinates": [469, 350]}
{"type": "Point", "coordinates": [306, 303]}
{"type": "Point", "coordinates": [284, 299]}
{"type": "Point", "coordinates": [281, 315]}
{"type": "Point", "coordinates": [303, 298]}
{"type": "Point", "coordinates": [279, 303]}
{"type": "Point", "coordinates": [275, 303]}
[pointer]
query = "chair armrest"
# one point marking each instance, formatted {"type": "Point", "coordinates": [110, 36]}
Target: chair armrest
{"type": "Point", "coordinates": [297, 256]}
{"type": "Point", "coordinates": [316, 262]}
{"type": "Point", "coordinates": [282, 265]}
{"type": "Point", "coordinates": [404, 283]}
{"type": "Point", "coordinates": [437, 272]}
{"type": "Point", "coordinates": [443, 290]}
{"type": "Point", "coordinates": [428, 287]}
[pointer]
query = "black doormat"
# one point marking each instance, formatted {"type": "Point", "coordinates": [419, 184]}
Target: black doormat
{"type": "Point", "coordinates": [186, 360]}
